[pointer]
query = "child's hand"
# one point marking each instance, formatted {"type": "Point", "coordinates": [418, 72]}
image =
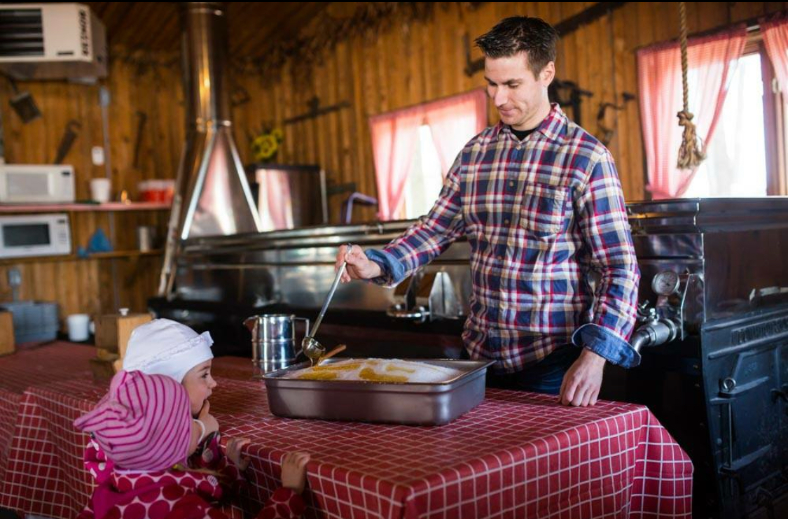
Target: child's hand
{"type": "Point", "coordinates": [199, 434]}
{"type": "Point", "coordinates": [210, 423]}
{"type": "Point", "coordinates": [294, 471]}
{"type": "Point", "coordinates": [234, 446]}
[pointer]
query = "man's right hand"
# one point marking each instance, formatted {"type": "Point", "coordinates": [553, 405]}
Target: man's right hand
{"type": "Point", "coordinates": [359, 266]}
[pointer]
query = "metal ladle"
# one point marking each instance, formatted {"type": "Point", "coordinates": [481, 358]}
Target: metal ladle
{"type": "Point", "coordinates": [311, 348]}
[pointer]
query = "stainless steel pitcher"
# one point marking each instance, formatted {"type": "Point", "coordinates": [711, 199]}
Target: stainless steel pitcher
{"type": "Point", "coordinates": [273, 341]}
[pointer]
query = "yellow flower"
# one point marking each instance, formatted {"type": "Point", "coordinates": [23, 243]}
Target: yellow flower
{"type": "Point", "coordinates": [264, 147]}
{"type": "Point", "coordinates": [278, 134]}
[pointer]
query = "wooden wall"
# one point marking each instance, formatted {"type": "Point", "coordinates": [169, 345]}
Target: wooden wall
{"type": "Point", "coordinates": [420, 61]}
{"type": "Point", "coordinates": [409, 63]}
{"type": "Point", "coordinates": [100, 285]}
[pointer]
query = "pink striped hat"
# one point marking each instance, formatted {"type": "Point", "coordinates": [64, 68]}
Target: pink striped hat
{"type": "Point", "coordinates": [143, 423]}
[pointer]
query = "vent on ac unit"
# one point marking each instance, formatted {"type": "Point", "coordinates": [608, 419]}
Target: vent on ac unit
{"type": "Point", "coordinates": [52, 41]}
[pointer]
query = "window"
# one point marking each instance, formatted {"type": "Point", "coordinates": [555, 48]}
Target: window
{"type": "Point", "coordinates": [425, 180]}
{"type": "Point", "coordinates": [414, 148]}
{"type": "Point", "coordinates": [735, 164]}
{"type": "Point", "coordinates": [735, 107]}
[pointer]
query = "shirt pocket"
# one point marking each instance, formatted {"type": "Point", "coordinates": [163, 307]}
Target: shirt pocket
{"type": "Point", "coordinates": [543, 210]}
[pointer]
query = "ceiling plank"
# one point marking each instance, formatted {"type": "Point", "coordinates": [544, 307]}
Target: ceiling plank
{"type": "Point", "coordinates": [253, 27]}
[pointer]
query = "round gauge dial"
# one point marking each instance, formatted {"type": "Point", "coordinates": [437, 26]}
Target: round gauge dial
{"type": "Point", "coordinates": [665, 283]}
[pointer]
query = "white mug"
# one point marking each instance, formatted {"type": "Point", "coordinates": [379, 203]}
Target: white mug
{"type": "Point", "coordinates": [78, 327]}
{"type": "Point", "coordinates": [100, 190]}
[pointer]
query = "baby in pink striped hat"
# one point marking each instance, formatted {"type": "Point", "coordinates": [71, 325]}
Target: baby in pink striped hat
{"type": "Point", "coordinates": [143, 429]}
{"type": "Point", "coordinates": [166, 347]}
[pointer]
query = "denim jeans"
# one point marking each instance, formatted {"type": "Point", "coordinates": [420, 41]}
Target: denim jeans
{"type": "Point", "coordinates": [545, 376]}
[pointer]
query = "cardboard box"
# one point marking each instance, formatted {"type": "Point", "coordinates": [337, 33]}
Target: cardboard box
{"type": "Point", "coordinates": [7, 342]}
{"type": "Point", "coordinates": [103, 354]}
{"type": "Point", "coordinates": [113, 330]}
{"type": "Point", "coordinates": [101, 369]}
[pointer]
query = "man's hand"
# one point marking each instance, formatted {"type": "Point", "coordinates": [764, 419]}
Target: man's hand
{"type": "Point", "coordinates": [583, 380]}
{"type": "Point", "coordinates": [359, 266]}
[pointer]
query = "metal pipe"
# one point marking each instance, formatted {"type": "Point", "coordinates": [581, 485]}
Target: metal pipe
{"type": "Point", "coordinates": [654, 333]}
{"type": "Point", "coordinates": [639, 339]}
{"type": "Point", "coordinates": [212, 194]}
{"type": "Point", "coordinates": [205, 59]}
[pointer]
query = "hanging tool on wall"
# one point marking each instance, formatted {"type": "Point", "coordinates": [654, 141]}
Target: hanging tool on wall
{"type": "Point", "coordinates": [239, 96]}
{"type": "Point", "coordinates": [471, 66]}
{"type": "Point", "coordinates": [23, 103]}
{"type": "Point", "coordinates": [568, 93]}
{"type": "Point", "coordinates": [605, 133]}
{"type": "Point", "coordinates": [69, 136]}
{"type": "Point", "coordinates": [316, 110]}
{"type": "Point", "coordinates": [142, 118]}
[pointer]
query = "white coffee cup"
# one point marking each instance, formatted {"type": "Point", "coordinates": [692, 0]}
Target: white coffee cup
{"type": "Point", "coordinates": [78, 327]}
{"type": "Point", "coordinates": [100, 190]}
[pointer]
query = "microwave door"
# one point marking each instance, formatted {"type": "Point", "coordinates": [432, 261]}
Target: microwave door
{"type": "Point", "coordinates": [27, 235]}
{"type": "Point", "coordinates": [34, 235]}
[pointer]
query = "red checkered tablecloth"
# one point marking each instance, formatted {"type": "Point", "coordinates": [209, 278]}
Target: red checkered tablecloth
{"type": "Point", "coordinates": [35, 365]}
{"type": "Point", "coordinates": [44, 364]}
{"type": "Point", "coordinates": [516, 455]}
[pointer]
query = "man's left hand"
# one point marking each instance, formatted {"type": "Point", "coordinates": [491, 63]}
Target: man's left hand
{"type": "Point", "coordinates": [583, 380]}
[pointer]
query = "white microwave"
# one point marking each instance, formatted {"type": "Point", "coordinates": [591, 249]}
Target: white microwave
{"type": "Point", "coordinates": [36, 184]}
{"type": "Point", "coordinates": [23, 236]}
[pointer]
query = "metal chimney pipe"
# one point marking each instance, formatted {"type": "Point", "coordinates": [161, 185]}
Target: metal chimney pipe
{"type": "Point", "coordinates": [204, 58]}
{"type": "Point", "coordinates": [212, 196]}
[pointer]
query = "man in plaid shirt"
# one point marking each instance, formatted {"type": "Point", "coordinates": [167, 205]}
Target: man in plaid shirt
{"type": "Point", "coordinates": [540, 203]}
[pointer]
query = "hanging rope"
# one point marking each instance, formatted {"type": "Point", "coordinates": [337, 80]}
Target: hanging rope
{"type": "Point", "coordinates": [690, 154]}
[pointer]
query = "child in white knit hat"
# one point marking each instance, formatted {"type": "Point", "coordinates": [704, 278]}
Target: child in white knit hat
{"type": "Point", "coordinates": [166, 347]}
{"type": "Point", "coordinates": [141, 434]}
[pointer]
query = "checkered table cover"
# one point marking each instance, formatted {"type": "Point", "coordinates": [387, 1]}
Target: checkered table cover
{"type": "Point", "coordinates": [9, 408]}
{"type": "Point", "coordinates": [31, 365]}
{"type": "Point", "coordinates": [45, 364]}
{"type": "Point", "coordinates": [516, 455]}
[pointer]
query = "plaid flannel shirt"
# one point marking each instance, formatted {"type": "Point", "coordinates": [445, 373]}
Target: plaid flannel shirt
{"type": "Point", "coordinates": [552, 260]}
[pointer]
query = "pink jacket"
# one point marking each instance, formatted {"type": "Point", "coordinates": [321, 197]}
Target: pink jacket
{"type": "Point", "coordinates": [173, 494]}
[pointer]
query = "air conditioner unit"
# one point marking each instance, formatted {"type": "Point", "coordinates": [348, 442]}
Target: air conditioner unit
{"type": "Point", "coordinates": [52, 41]}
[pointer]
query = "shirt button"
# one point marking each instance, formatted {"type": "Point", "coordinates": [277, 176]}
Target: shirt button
{"type": "Point", "coordinates": [500, 258]}
{"type": "Point", "coordinates": [506, 221]}
{"type": "Point", "coordinates": [511, 183]}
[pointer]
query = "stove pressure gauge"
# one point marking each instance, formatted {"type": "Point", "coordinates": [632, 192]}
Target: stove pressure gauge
{"type": "Point", "coordinates": [666, 283]}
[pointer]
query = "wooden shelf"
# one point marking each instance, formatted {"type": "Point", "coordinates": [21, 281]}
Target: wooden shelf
{"type": "Point", "coordinates": [122, 254]}
{"type": "Point", "coordinates": [76, 208]}
{"type": "Point", "coordinates": [74, 257]}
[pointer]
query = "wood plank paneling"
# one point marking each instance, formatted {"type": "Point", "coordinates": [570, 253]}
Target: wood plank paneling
{"type": "Point", "coordinates": [419, 61]}
{"type": "Point", "coordinates": [87, 285]}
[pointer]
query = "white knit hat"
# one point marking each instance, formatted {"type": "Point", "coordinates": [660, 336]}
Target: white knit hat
{"type": "Point", "coordinates": [165, 347]}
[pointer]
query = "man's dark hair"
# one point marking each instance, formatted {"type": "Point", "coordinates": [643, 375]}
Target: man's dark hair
{"type": "Point", "coordinates": [511, 36]}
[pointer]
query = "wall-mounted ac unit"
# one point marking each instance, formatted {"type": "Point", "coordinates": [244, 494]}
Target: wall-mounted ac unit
{"type": "Point", "coordinates": [52, 41]}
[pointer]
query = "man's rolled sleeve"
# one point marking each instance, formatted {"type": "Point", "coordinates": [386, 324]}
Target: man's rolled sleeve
{"type": "Point", "coordinates": [606, 233]}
